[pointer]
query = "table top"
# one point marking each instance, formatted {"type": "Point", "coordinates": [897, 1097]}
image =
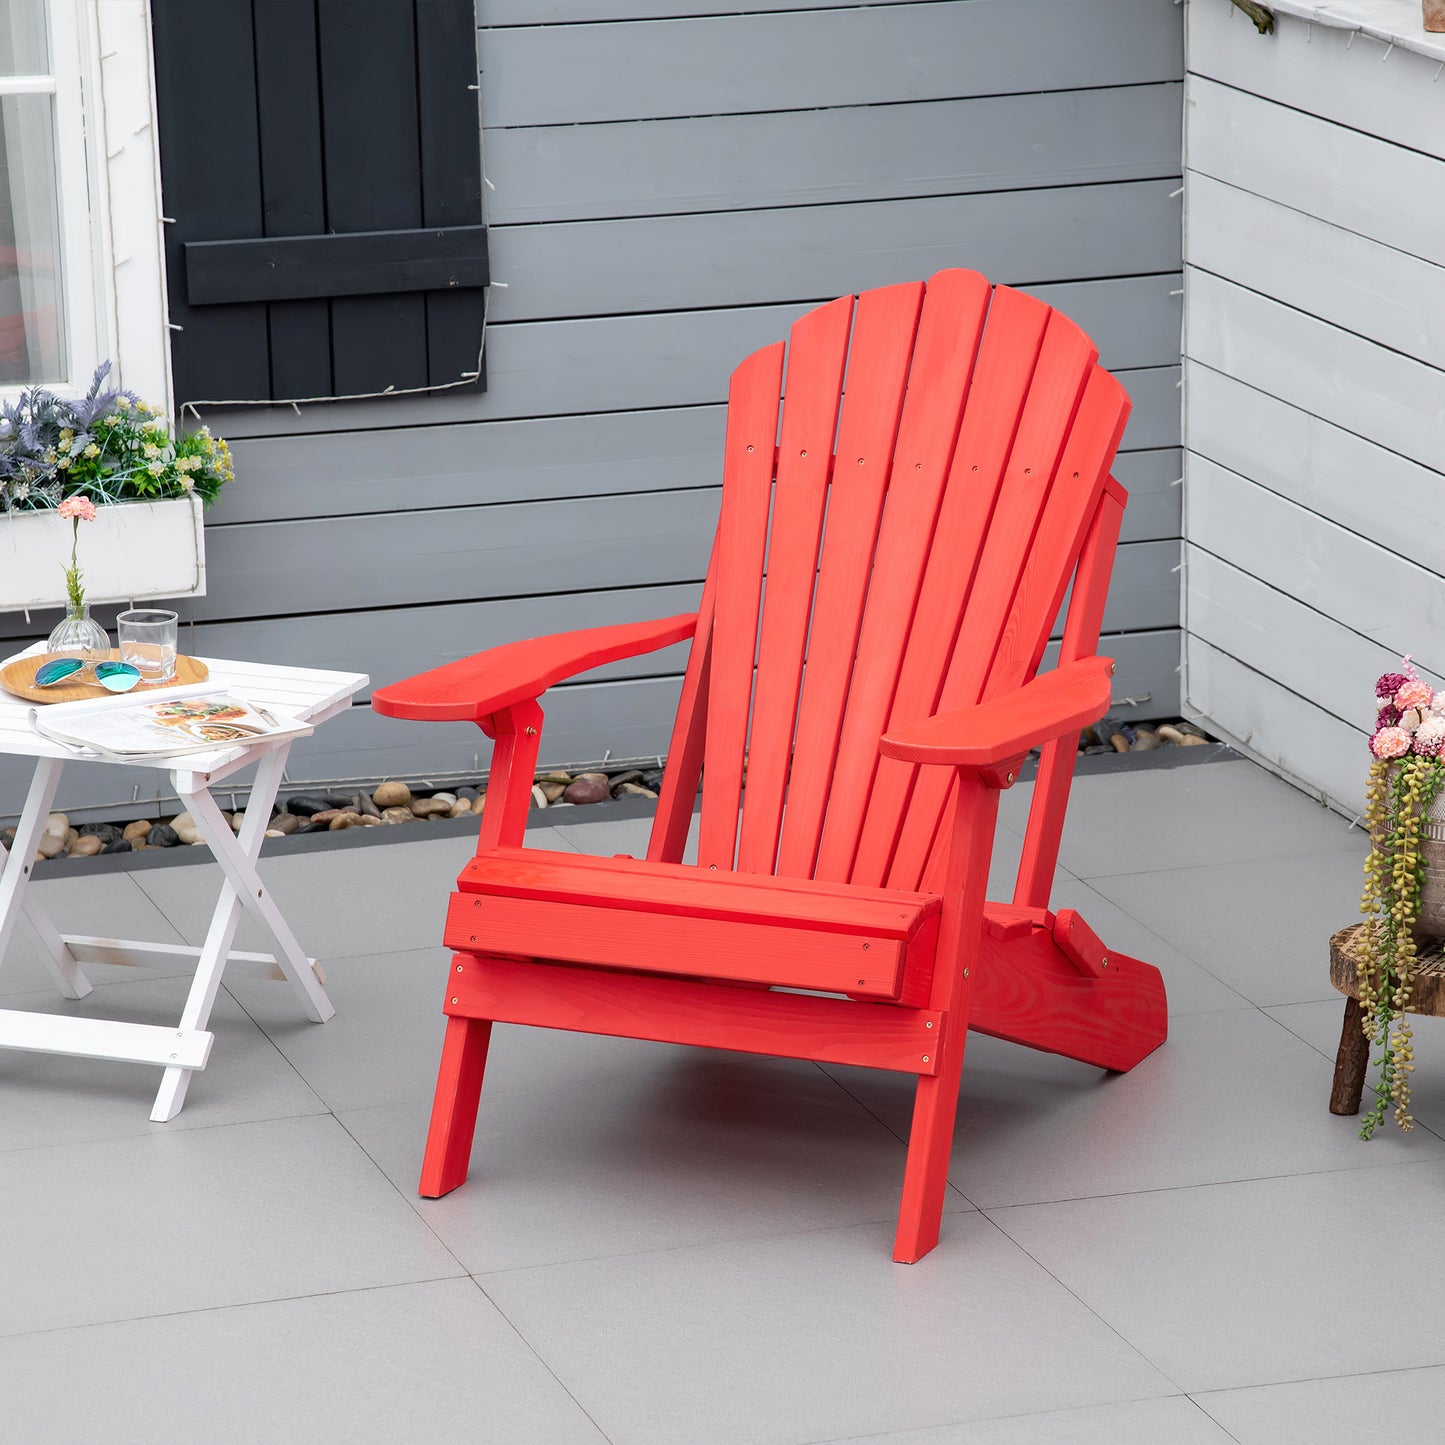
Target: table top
{"type": "Point", "coordinates": [304, 692]}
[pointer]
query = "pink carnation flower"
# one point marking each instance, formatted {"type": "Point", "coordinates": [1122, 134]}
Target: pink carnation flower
{"type": "Point", "coordinates": [1390, 743]}
{"type": "Point", "coordinates": [1390, 684]}
{"type": "Point", "coordinates": [1388, 715]}
{"type": "Point", "coordinates": [77, 509]}
{"type": "Point", "coordinates": [1414, 694]}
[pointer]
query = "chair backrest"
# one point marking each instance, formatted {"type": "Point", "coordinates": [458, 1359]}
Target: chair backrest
{"type": "Point", "coordinates": [896, 538]}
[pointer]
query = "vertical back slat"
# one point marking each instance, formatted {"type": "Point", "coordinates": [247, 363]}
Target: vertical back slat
{"type": "Point", "coordinates": [877, 787]}
{"type": "Point", "coordinates": [817, 350]}
{"type": "Point", "coordinates": [1021, 526]}
{"type": "Point", "coordinates": [1056, 764]}
{"type": "Point", "coordinates": [752, 430]}
{"type": "Point", "coordinates": [1073, 507]}
{"type": "Point", "coordinates": [686, 749]}
{"type": "Point", "coordinates": [1072, 501]}
{"type": "Point", "coordinates": [847, 651]}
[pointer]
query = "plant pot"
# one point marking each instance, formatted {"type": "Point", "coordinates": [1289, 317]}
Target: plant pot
{"type": "Point", "coordinates": [131, 552]}
{"type": "Point", "coordinates": [1430, 923]}
{"type": "Point", "coordinates": [1434, 12]}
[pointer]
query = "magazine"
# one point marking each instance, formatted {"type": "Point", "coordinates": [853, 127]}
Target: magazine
{"type": "Point", "coordinates": [185, 720]}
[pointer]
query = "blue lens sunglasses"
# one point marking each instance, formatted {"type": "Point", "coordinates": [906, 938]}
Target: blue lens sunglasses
{"type": "Point", "coordinates": [113, 676]}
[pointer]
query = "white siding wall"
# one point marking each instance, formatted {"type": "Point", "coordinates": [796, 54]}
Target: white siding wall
{"type": "Point", "coordinates": [1314, 511]}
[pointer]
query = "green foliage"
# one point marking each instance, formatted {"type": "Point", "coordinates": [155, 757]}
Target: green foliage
{"type": "Point", "coordinates": [108, 446]}
{"type": "Point", "coordinates": [1398, 800]}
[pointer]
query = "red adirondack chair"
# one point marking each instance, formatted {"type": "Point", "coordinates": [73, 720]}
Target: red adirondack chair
{"type": "Point", "coordinates": [938, 473]}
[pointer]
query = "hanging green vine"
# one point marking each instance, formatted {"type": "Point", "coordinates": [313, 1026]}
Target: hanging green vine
{"type": "Point", "coordinates": [1398, 800]}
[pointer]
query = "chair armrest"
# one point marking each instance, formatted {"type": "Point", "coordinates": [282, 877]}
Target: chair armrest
{"type": "Point", "coordinates": [473, 688]}
{"type": "Point", "coordinates": [1007, 727]}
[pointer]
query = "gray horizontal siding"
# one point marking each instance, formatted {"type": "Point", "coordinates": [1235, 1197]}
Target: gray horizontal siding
{"type": "Point", "coordinates": [496, 13]}
{"type": "Point", "coordinates": [393, 642]}
{"type": "Point", "coordinates": [517, 549]}
{"type": "Point", "coordinates": [673, 186]}
{"type": "Point", "coordinates": [847, 56]}
{"type": "Point", "coordinates": [540, 550]}
{"type": "Point", "coordinates": [747, 258]}
{"type": "Point", "coordinates": [792, 158]}
{"type": "Point", "coordinates": [323, 475]}
{"type": "Point", "coordinates": [684, 358]}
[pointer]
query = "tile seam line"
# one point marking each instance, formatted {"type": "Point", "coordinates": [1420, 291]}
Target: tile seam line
{"type": "Point", "coordinates": [164, 1131]}
{"type": "Point", "coordinates": [1434, 1132]}
{"type": "Point", "coordinates": [1319, 852]}
{"type": "Point", "coordinates": [280, 1053]}
{"type": "Point", "coordinates": [233, 1305]}
{"type": "Point", "coordinates": [994, 1419]}
{"type": "Point", "coordinates": [537, 1355]}
{"type": "Point", "coordinates": [988, 1210]}
{"type": "Point", "coordinates": [725, 1242]}
{"type": "Point", "coordinates": [408, 1201]}
{"type": "Point", "coordinates": [1195, 1395]}
{"type": "Point", "coordinates": [1216, 1423]}
{"type": "Point", "coordinates": [1085, 1305]}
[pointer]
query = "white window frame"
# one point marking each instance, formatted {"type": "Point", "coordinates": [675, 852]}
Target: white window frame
{"type": "Point", "coordinates": [108, 169]}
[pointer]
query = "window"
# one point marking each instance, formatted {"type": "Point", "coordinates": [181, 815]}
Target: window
{"type": "Point", "coordinates": [47, 291]}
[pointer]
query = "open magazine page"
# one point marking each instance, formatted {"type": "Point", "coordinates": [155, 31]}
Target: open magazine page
{"type": "Point", "coordinates": [165, 726]}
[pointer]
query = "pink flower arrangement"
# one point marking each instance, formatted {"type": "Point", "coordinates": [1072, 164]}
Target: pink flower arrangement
{"type": "Point", "coordinates": [1409, 716]}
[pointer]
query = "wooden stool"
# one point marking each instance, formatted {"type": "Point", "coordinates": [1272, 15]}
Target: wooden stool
{"type": "Point", "coordinates": [1353, 1059]}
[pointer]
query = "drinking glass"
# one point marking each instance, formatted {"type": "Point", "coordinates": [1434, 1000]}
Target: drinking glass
{"type": "Point", "coordinates": [148, 642]}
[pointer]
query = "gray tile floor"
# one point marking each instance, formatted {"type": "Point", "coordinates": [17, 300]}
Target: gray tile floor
{"type": "Point", "coordinates": [662, 1246]}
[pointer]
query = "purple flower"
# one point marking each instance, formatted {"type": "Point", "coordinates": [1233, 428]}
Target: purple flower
{"type": "Point", "coordinates": [1390, 684]}
{"type": "Point", "coordinates": [1388, 716]}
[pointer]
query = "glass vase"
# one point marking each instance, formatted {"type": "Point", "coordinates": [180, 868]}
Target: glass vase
{"type": "Point", "coordinates": [77, 634]}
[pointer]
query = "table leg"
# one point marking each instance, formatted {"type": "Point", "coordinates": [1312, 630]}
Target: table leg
{"type": "Point", "coordinates": [15, 880]}
{"type": "Point", "coordinates": [1351, 1062]}
{"type": "Point", "coordinates": [242, 889]}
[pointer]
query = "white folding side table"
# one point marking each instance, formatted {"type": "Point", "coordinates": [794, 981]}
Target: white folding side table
{"type": "Point", "coordinates": [302, 692]}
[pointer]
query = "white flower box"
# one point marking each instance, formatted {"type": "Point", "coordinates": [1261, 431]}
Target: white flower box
{"type": "Point", "coordinates": [132, 551]}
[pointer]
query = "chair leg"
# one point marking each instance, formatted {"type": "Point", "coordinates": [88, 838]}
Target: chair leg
{"type": "Point", "coordinates": [930, 1143]}
{"type": "Point", "coordinates": [454, 1106]}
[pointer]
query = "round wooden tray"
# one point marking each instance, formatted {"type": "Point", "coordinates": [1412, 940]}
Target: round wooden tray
{"type": "Point", "coordinates": [19, 678]}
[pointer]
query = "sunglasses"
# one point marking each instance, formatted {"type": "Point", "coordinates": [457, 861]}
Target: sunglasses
{"type": "Point", "coordinates": [113, 676]}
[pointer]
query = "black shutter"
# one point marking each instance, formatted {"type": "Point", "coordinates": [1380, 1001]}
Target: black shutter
{"type": "Point", "coordinates": [321, 165]}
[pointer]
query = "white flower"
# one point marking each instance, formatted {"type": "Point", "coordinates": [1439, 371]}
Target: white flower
{"type": "Point", "coordinates": [1431, 731]}
{"type": "Point", "coordinates": [1410, 719]}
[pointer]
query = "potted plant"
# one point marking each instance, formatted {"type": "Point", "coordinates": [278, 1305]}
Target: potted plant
{"type": "Point", "coordinates": [148, 486]}
{"type": "Point", "coordinates": [1404, 897]}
